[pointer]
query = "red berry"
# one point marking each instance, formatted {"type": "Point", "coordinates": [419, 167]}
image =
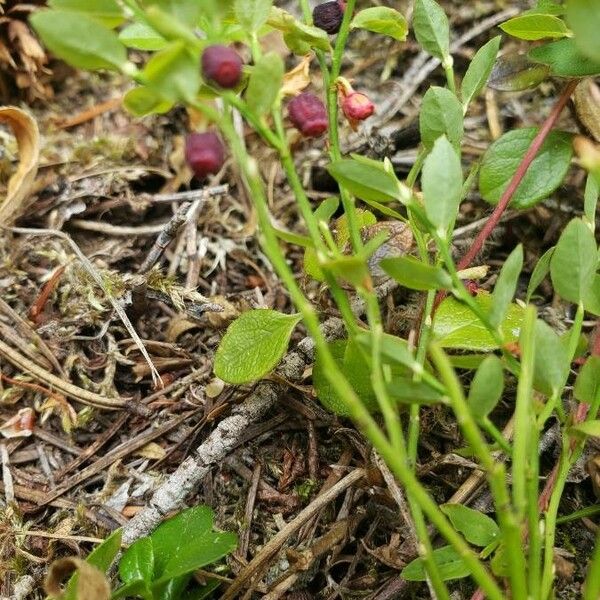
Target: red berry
{"type": "Point", "coordinates": [328, 16]}
{"type": "Point", "coordinates": [222, 66]}
{"type": "Point", "coordinates": [357, 106]}
{"type": "Point", "coordinates": [204, 153]}
{"type": "Point", "coordinates": [308, 114]}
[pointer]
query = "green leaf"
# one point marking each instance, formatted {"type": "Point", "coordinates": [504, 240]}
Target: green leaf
{"type": "Point", "coordinates": [583, 17]}
{"type": "Point", "coordinates": [592, 193]}
{"type": "Point", "coordinates": [541, 270]}
{"type": "Point", "coordinates": [486, 388]}
{"type": "Point", "coordinates": [478, 529]}
{"type": "Point", "coordinates": [587, 384]}
{"type": "Point", "coordinates": [138, 562]}
{"type": "Point", "coordinates": [591, 302]}
{"type": "Point", "coordinates": [133, 589]}
{"type": "Point", "coordinates": [298, 32]}
{"type": "Point", "coordinates": [479, 71]}
{"type": "Point", "coordinates": [108, 12]}
{"type": "Point", "coordinates": [141, 101]}
{"type": "Point", "coordinates": [253, 345]}
{"type": "Point", "coordinates": [551, 361]}
{"type": "Point", "coordinates": [441, 114]}
{"type": "Point", "coordinates": [79, 40]}
{"type": "Point", "coordinates": [574, 262]}
{"type": "Point", "coordinates": [173, 73]}
{"type": "Point", "coordinates": [252, 14]}
{"type": "Point", "coordinates": [514, 72]}
{"type": "Point", "coordinates": [535, 27]}
{"type": "Point", "coordinates": [188, 12]}
{"type": "Point", "coordinates": [187, 542]}
{"type": "Point", "coordinates": [506, 286]}
{"type": "Point", "coordinates": [565, 59]}
{"type": "Point", "coordinates": [171, 589]}
{"type": "Point", "coordinates": [406, 391]}
{"type": "Point", "coordinates": [415, 274]}
{"type": "Point", "coordinates": [545, 174]}
{"type": "Point", "coordinates": [587, 429]}
{"type": "Point", "coordinates": [264, 84]}
{"type": "Point", "coordinates": [366, 181]}
{"type": "Point", "coordinates": [393, 348]}
{"type": "Point", "coordinates": [381, 19]}
{"type": "Point", "coordinates": [142, 37]}
{"type": "Point", "coordinates": [351, 363]}
{"type": "Point", "coordinates": [442, 183]}
{"type": "Point", "coordinates": [432, 28]}
{"type": "Point", "coordinates": [456, 326]}
{"type": "Point", "coordinates": [449, 563]}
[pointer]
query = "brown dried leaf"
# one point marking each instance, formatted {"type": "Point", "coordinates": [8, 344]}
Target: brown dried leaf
{"type": "Point", "coordinates": [587, 105]}
{"type": "Point", "coordinates": [26, 131]}
{"type": "Point", "coordinates": [298, 78]}
{"type": "Point", "coordinates": [91, 583]}
{"type": "Point", "coordinates": [21, 425]}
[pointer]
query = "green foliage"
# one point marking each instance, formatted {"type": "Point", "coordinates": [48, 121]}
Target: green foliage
{"type": "Point", "coordinates": [486, 388]}
{"type": "Point", "coordinates": [565, 59]}
{"type": "Point", "coordinates": [478, 528]}
{"type": "Point", "coordinates": [545, 174]}
{"type": "Point", "coordinates": [265, 83]}
{"type": "Point", "coordinates": [535, 27]}
{"type": "Point", "coordinates": [448, 561]}
{"type": "Point", "coordinates": [441, 114]}
{"type": "Point", "coordinates": [583, 17]}
{"type": "Point", "coordinates": [506, 286]}
{"type": "Point", "coordinates": [479, 71]}
{"type": "Point", "coordinates": [253, 345]}
{"type": "Point", "coordinates": [432, 28]}
{"type": "Point", "coordinates": [415, 274]}
{"type": "Point", "coordinates": [381, 19]}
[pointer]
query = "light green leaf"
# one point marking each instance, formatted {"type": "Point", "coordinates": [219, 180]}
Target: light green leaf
{"type": "Point", "coordinates": [432, 28]}
{"type": "Point", "coordinates": [479, 71]}
{"type": "Point", "coordinates": [574, 262]}
{"type": "Point", "coordinates": [141, 101]}
{"type": "Point", "coordinates": [592, 193]}
{"type": "Point", "coordinates": [381, 19]}
{"type": "Point", "coordinates": [551, 360]}
{"type": "Point", "coordinates": [264, 84]}
{"type": "Point", "coordinates": [93, 47]}
{"type": "Point", "coordinates": [477, 528]}
{"type": "Point", "coordinates": [252, 14]}
{"type": "Point", "coordinates": [449, 563]}
{"type": "Point", "coordinates": [541, 270]}
{"type": "Point", "coordinates": [138, 562]}
{"type": "Point", "coordinates": [583, 17]}
{"type": "Point", "coordinates": [591, 302]}
{"type": "Point", "coordinates": [587, 384]}
{"type": "Point", "coordinates": [298, 32]}
{"type": "Point", "coordinates": [456, 326]}
{"type": "Point", "coordinates": [442, 183]}
{"type": "Point", "coordinates": [366, 181]}
{"type": "Point", "coordinates": [441, 114]}
{"type": "Point", "coordinates": [486, 388]}
{"type": "Point", "coordinates": [142, 37]}
{"type": "Point", "coordinates": [415, 274]}
{"type": "Point", "coordinates": [535, 27]}
{"type": "Point", "coordinates": [565, 59]}
{"type": "Point", "coordinates": [506, 285]}
{"type": "Point", "coordinates": [108, 12]}
{"type": "Point", "coordinates": [253, 345]}
{"type": "Point", "coordinates": [545, 174]}
{"type": "Point", "coordinates": [588, 429]}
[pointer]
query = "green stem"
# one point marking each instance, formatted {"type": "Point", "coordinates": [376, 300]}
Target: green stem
{"type": "Point", "coordinates": [591, 589]}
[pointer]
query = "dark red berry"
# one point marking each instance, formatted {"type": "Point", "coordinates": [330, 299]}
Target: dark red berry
{"type": "Point", "coordinates": [222, 66]}
{"type": "Point", "coordinates": [308, 114]}
{"type": "Point", "coordinates": [329, 16]}
{"type": "Point", "coordinates": [204, 153]}
{"type": "Point", "coordinates": [357, 106]}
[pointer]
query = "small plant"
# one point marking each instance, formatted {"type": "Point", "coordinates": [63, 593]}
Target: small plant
{"type": "Point", "coordinates": [158, 567]}
{"type": "Point", "coordinates": [381, 381]}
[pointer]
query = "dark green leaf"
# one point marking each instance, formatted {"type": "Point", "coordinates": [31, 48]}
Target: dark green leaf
{"type": "Point", "coordinates": [583, 17]}
{"type": "Point", "coordinates": [253, 345]}
{"type": "Point", "coordinates": [415, 274]}
{"type": "Point", "coordinates": [486, 388]}
{"type": "Point", "coordinates": [79, 40]}
{"type": "Point", "coordinates": [506, 286]}
{"type": "Point", "coordinates": [381, 19]}
{"type": "Point", "coordinates": [171, 589]}
{"type": "Point", "coordinates": [449, 563]}
{"type": "Point", "coordinates": [541, 270]}
{"type": "Point", "coordinates": [574, 262]}
{"type": "Point", "coordinates": [264, 84]}
{"type": "Point", "coordinates": [535, 27]}
{"type": "Point", "coordinates": [565, 60]}
{"type": "Point", "coordinates": [133, 589]}
{"type": "Point", "coordinates": [432, 28]}
{"type": "Point", "coordinates": [514, 72]}
{"type": "Point", "coordinates": [366, 181]}
{"type": "Point", "coordinates": [587, 384]}
{"type": "Point", "coordinates": [442, 182]}
{"type": "Point", "coordinates": [478, 529]}
{"type": "Point", "coordinates": [441, 114]}
{"type": "Point", "coordinates": [479, 71]}
{"type": "Point", "coordinates": [545, 174]}
{"type": "Point", "coordinates": [203, 592]}
{"type": "Point", "coordinates": [456, 326]}
{"type": "Point", "coordinates": [138, 562]}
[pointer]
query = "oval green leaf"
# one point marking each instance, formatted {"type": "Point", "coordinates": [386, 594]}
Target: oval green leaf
{"type": "Point", "coordinates": [486, 388]}
{"type": "Point", "coordinates": [535, 27]}
{"type": "Point", "coordinates": [565, 59]}
{"type": "Point", "coordinates": [448, 561]}
{"type": "Point", "coordinates": [441, 114]}
{"type": "Point", "coordinates": [477, 528]}
{"type": "Point", "coordinates": [382, 19]}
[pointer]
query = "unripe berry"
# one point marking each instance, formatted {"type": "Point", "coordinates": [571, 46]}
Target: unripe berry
{"type": "Point", "coordinates": [204, 153]}
{"type": "Point", "coordinates": [222, 66]}
{"type": "Point", "coordinates": [357, 106]}
{"type": "Point", "coordinates": [328, 16]}
{"type": "Point", "coordinates": [308, 114]}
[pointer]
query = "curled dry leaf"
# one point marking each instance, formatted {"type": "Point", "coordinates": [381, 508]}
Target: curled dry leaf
{"type": "Point", "coordinates": [298, 78]}
{"type": "Point", "coordinates": [587, 105]}
{"type": "Point", "coordinates": [26, 131]}
{"type": "Point", "coordinates": [91, 583]}
{"type": "Point", "coordinates": [21, 425]}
